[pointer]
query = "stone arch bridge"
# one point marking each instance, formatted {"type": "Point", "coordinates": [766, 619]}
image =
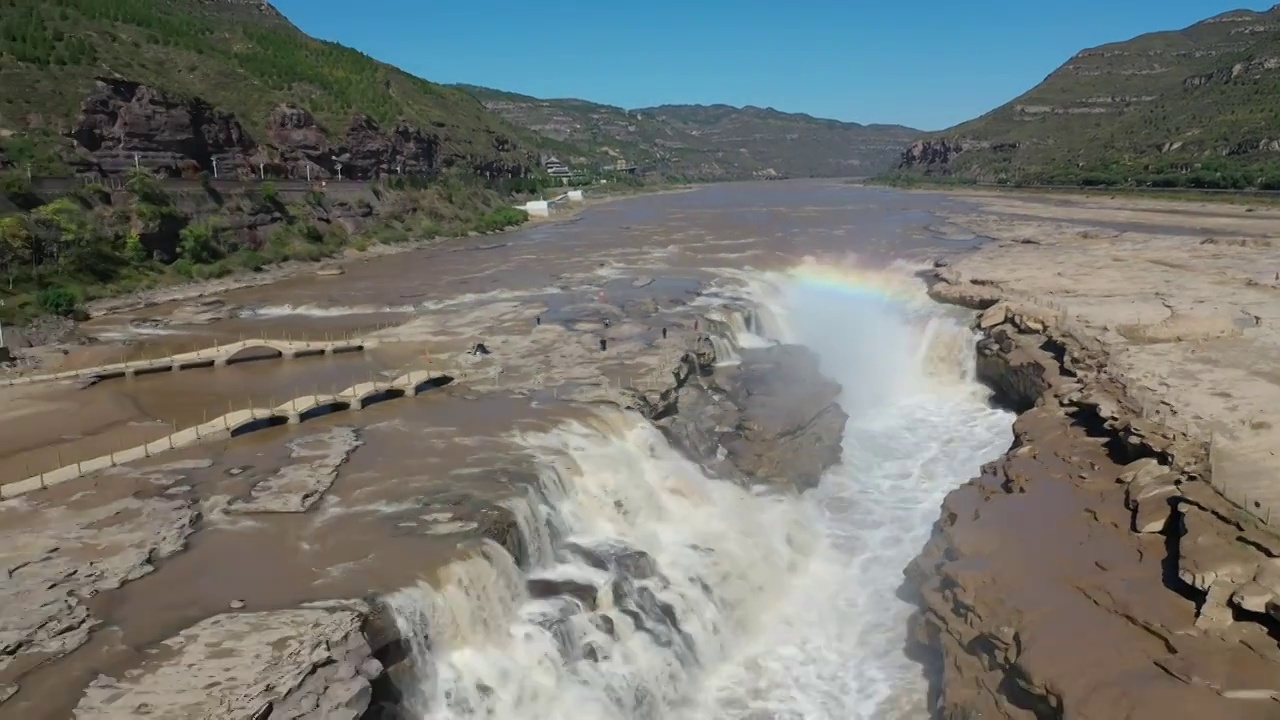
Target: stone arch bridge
{"type": "Point", "coordinates": [216, 356]}
{"type": "Point", "coordinates": [241, 422]}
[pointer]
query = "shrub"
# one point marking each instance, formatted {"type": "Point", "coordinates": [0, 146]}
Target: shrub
{"type": "Point", "coordinates": [211, 271]}
{"type": "Point", "coordinates": [270, 193]}
{"type": "Point", "coordinates": [198, 243]}
{"type": "Point", "coordinates": [146, 188]}
{"type": "Point", "coordinates": [312, 233]}
{"type": "Point", "coordinates": [500, 219]}
{"type": "Point", "coordinates": [134, 250]}
{"type": "Point", "coordinates": [429, 229]}
{"type": "Point", "coordinates": [391, 236]}
{"type": "Point", "coordinates": [250, 259]}
{"type": "Point", "coordinates": [309, 253]}
{"type": "Point", "coordinates": [58, 300]}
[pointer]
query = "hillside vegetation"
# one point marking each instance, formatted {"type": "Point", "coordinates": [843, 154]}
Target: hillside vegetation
{"type": "Point", "coordinates": [238, 55]}
{"type": "Point", "coordinates": [1197, 107]}
{"type": "Point", "coordinates": [183, 81]}
{"type": "Point", "coordinates": [94, 242]}
{"type": "Point", "coordinates": [705, 141]}
{"type": "Point", "coordinates": [794, 144]}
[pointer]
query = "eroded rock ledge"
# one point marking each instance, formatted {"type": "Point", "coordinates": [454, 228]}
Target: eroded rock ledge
{"type": "Point", "coordinates": [771, 419]}
{"type": "Point", "coordinates": [1092, 572]}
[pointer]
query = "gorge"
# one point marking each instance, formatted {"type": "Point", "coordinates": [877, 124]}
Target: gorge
{"type": "Point", "coordinates": [708, 463]}
{"type": "Point", "coordinates": [790, 450]}
{"type": "Point", "coordinates": [689, 523]}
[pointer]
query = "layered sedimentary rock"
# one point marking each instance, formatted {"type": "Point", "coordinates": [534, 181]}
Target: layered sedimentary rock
{"type": "Point", "coordinates": [124, 122]}
{"type": "Point", "coordinates": [936, 153]}
{"type": "Point", "coordinates": [295, 488]}
{"type": "Point", "coordinates": [1093, 572]}
{"type": "Point", "coordinates": [365, 150]}
{"type": "Point", "coordinates": [52, 561]}
{"type": "Point", "coordinates": [300, 664]}
{"type": "Point", "coordinates": [404, 149]}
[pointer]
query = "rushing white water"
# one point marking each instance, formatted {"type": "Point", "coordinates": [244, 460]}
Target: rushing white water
{"type": "Point", "coordinates": [919, 426]}
{"type": "Point", "coordinates": [320, 311]}
{"type": "Point", "coordinates": [657, 592]}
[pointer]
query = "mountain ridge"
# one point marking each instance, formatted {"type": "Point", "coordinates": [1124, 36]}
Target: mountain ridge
{"type": "Point", "coordinates": [705, 141]}
{"type": "Point", "coordinates": [1195, 107]}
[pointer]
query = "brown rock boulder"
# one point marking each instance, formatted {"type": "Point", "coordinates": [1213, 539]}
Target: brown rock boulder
{"type": "Point", "coordinates": [791, 427]}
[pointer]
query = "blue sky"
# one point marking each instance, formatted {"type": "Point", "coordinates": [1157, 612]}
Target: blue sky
{"type": "Point", "coordinates": [924, 63]}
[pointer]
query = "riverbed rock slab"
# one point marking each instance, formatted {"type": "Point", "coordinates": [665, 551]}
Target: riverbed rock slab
{"type": "Point", "coordinates": [791, 426]}
{"type": "Point", "coordinates": [295, 488]}
{"type": "Point", "coordinates": [54, 557]}
{"type": "Point", "coordinates": [306, 663]}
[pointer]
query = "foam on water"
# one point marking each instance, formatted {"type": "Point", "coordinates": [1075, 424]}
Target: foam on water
{"type": "Point", "coordinates": [679, 596]}
{"type": "Point", "coordinates": [130, 331]}
{"type": "Point", "coordinates": [919, 426]}
{"type": "Point", "coordinates": [620, 494]}
{"type": "Point", "coordinates": [320, 311]}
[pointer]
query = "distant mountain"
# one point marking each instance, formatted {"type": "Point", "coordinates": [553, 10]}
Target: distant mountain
{"type": "Point", "coordinates": [706, 141]}
{"type": "Point", "coordinates": [1196, 107]}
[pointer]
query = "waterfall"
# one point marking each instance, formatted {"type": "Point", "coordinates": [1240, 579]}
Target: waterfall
{"type": "Point", "coordinates": [659, 572]}
{"type": "Point", "coordinates": [653, 591]}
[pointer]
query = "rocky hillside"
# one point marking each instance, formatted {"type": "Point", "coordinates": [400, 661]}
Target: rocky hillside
{"type": "Point", "coordinates": [706, 141]}
{"type": "Point", "coordinates": [86, 84]}
{"type": "Point", "coordinates": [1197, 107]}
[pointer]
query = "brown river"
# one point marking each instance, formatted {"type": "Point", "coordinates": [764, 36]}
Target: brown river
{"type": "Point", "coordinates": [419, 476]}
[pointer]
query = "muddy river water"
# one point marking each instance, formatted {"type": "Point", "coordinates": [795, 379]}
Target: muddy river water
{"type": "Point", "coordinates": [418, 475]}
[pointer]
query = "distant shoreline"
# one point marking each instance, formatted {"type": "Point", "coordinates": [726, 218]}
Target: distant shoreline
{"type": "Point", "coordinates": [107, 306]}
{"type": "Point", "coordinates": [1241, 197]}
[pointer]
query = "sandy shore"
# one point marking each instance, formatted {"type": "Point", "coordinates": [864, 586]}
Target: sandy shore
{"type": "Point", "coordinates": [1120, 560]}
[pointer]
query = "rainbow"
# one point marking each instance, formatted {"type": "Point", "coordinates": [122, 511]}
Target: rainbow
{"type": "Point", "coordinates": [845, 279]}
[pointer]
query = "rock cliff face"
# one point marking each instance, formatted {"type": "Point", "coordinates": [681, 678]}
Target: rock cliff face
{"type": "Point", "coordinates": [1092, 572]}
{"type": "Point", "coordinates": [932, 155]}
{"type": "Point", "coordinates": [296, 141]}
{"type": "Point", "coordinates": [123, 122]}
{"type": "Point", "coordinates": [406, 149]}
